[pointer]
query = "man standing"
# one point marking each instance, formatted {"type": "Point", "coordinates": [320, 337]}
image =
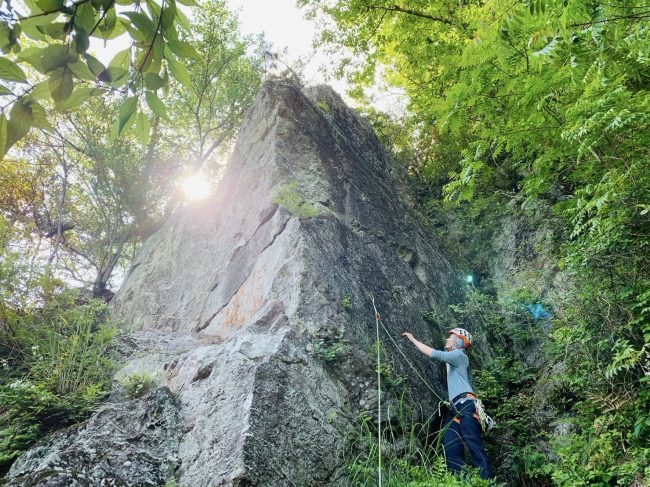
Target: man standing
{"type": "Point", "coordinates": [462, 426]}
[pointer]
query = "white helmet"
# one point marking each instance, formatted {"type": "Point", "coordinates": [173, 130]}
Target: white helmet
{"type": "Point", "coordinates": [464, 335]}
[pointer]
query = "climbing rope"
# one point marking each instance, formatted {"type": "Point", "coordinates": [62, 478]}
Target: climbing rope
{"type": "Point", "coordinates": [377, 320]}
{"type": "Point", "coordinates": [424, 381]}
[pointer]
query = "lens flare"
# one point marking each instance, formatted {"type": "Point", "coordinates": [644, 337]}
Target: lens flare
{"type": "Point", "coordinates": [196, 187]}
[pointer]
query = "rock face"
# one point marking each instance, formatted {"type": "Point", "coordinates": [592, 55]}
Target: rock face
{"type": "Point", "coordinates": [253, 311]}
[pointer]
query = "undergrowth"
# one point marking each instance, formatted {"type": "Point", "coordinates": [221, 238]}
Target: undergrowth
{"type": "Point", "coordinates": [56, 366]}
{"type": "Point", "coordinates": [411, 452]}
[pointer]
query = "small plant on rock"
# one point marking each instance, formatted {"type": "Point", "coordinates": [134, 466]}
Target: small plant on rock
{"type": "Point", "coordinates": [330, 344]}
{"type": "Point", "coordinates": [138, 384]}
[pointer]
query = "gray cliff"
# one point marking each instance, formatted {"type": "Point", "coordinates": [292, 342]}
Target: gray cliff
{"type": "Point", "coordinates": [252, 309]}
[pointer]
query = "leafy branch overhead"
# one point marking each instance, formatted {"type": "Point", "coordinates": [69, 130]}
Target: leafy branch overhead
{"type": "Point", "coordinates": [47, 60]}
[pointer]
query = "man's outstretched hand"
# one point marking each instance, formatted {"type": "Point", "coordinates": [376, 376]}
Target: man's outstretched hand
{"type": "Point", "coordinates": [408, 335]}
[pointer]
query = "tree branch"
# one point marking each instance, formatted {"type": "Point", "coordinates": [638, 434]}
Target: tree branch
{"type": "Point", "coordinates": [396, 8]}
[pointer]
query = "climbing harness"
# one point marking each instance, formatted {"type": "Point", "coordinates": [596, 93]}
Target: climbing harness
{"type": "Point", "coordinates": [487, 423]}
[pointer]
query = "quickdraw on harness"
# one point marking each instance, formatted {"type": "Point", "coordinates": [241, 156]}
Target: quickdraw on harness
{"type": "Point", "coordinates": [487, 423]}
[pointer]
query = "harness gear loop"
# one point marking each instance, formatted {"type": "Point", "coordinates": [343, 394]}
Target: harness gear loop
{"type": "Point", "coordinates": [487, 423]}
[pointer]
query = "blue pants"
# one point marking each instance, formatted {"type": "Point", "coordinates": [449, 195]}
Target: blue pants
{"type": "Point", "coordinates": [461, 430]}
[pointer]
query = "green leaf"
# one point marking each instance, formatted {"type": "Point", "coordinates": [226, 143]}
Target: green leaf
{"type": "Point", "coordinates": [40, 117]}
{"type": "Point", "coordinates": [3, 135]}
{"type": "Point", "coordinates": [20, 121]}
{"type": "Point", "coordinates": [188, 3]}
{"type": "Point", "coordinates": [30, 25]}
{"type": "Point", "coordinates": [81, 41]}
{"type": "Point", "coordinates": [182, 49]}
{"type": "Point", "coordinates": [49, 5]}
{"type": "Point", "coordinates": [94, 65]}
{"type": "Point", "coordinates": [143, 58]}
{"type": "Point", "coordinates": [142, 23]}
{"type": "Point", "coordinates": [153, 81]}
{"type": "Point", "coordinates": [121, 59]}
{"type": "Point", "coordinates": [41, 91]}
{"type": "Point", "coordinates": [107, 34]}
{"type": "Point", "coordinates": [61, 84]}
{"type": "Point", "coordinates": [56, 56]}
{"type": "Point", "coordinates": [183, 21]}
{"type": "Point", "coordinates": [7, 37]}
{"type": "Point", "coordinates": [81, 71]}
{"type": "Point", "coordinates": [116, 76]}
{"type": "Point", "coordinates": [5, 91]}
{"type": "Point", "coordinates": [126, 114]}
{"type": "Point", "coordinates": [86, 17]}
{"type": "Point", "coordinates": [179, 71]}
{"type": "Point", "coordinates": [157, 55]}
{"type": "Point", "coordinates": [169, 14]}
{"type": "Point", "coordinates": [142, 128]}
{"type": "Point", "coordinates": [154, 9]}
{"type": "Point", "coordinates": [55, 30]}
{"type": "Point", "coordinates": [33, 56]}
{"type": "Point", "coordinates": [10, 71]}
{"type": "Point", "coordinates": [154, 103]}
{"type": "Point", "coordinates": [79, 96]}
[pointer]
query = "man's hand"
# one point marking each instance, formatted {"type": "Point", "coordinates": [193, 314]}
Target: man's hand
{"type": "Point", "coordinates": [425, 349]}
{"type": "Point", "coordinates": [408, 335]}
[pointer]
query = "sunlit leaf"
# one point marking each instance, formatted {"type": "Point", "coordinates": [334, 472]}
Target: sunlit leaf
{"type": "Point", "coordinates": [154, 103]}
{"type": "Point", "coordinates": [86, 17]}
{"type": "Point", "coordinates": [96, 67]}
{"type": "Point", "coordinates": [153, 81]}
{"type": "Point", "coordinates": [126, 114]}
{"type": "Point", "coordinates": [142, 23]}
{"type": "Point", "coordinates": [3, 135]}
{"type": "Point", "coordinates": [79, 96]}
{"type": "Point", "coordinates": [20, 121]}
{"type": "Point", "coordinates": [61, 84]}
{"type": "Point", "coordinates": [179, 71]}
{"type": "Point", "coordinates": [10, 71]}
{"type": "Point", "coordinates": [142, 128]}
{"type": "Point", "coordinates": [81, 71]}
{"type": "Point", "coordinates": [182, 49]}
{"type": "Point", "coordinates": [121, 59]}
{"type": "Point", "coordinates": [49, 5]}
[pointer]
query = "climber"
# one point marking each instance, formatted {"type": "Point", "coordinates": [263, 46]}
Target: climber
{"type": "Point", "coordinates": [462, 425]}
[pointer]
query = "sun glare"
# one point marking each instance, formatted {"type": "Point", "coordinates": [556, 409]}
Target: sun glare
{"type": "Point", "coordinates": [196, 187]}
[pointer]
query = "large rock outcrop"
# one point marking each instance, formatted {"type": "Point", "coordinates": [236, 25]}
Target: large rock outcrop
{"type": "Point", "coordinates": [252, 308]}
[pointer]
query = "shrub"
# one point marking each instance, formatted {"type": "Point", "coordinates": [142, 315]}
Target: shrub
{"type": "Point", "coordinates": [137, 385]}
{"type": "Point", "coordinates": [57, 368]}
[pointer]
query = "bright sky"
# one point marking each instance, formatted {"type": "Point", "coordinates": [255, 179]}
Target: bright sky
{"type": "Point", "coordinates": [285, 26]}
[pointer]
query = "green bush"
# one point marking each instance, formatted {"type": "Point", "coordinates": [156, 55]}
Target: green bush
{"type": "Point", "coordinates": [137, 385]}
{"type": "Point", "coordinates": [57, 367]}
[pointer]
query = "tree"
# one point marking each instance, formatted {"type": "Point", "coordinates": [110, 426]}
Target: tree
{"type": "Point", "coordinates": [225, 78]}
{"type": "Point", "coordinates": [91, 197]}
{"type": "Point", "coordinates": [47, 59]}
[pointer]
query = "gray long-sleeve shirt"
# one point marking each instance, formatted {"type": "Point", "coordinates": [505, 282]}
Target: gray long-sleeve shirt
{"type": "Point", "coordinates": [457, 367]}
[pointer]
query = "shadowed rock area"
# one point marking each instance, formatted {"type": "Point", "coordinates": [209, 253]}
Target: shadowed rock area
{"type": "Point", "coordinates": [252, 309]}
